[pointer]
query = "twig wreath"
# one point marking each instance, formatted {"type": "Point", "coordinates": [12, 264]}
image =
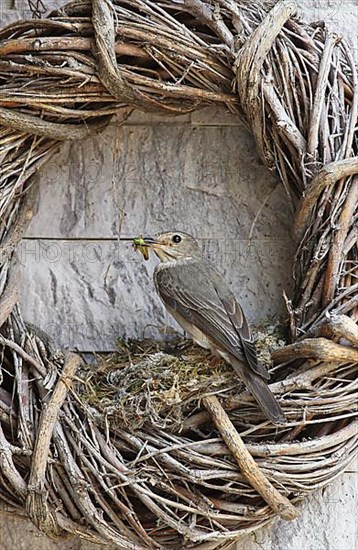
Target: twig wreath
{"type": "Point", "coordinates": [226, 471]}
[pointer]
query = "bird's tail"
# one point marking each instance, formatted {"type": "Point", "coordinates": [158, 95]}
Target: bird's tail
{"type": "Point", "coordinates": [263, 395]}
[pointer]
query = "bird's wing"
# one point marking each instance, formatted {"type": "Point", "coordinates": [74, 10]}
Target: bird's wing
{"type": "Point", "coordinates": [198, 293]}
{"type": "Point", "coordinates": [239, 323]}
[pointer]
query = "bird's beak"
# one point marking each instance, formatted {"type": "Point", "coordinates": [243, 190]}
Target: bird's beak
{"type": "Point", "coordinates": [150, 241]}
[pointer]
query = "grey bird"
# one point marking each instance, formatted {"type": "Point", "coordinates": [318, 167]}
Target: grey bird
{"type": "Point", "coordinates": [195, 293]}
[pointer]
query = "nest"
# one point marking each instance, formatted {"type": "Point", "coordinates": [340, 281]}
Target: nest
{"type": "Point", "coordinates": [160, 462]}
{"type": "Point", "coordinates": [160, 385]}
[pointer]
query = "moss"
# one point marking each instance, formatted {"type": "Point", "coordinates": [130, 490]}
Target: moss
{"type": "Point", "coordinates": [162, 383]}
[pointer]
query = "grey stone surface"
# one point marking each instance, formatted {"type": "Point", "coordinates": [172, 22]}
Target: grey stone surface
{"type": "Point", "coordinates": [142, 178]}
{"type": "Point", "coordinates": [13, 10]}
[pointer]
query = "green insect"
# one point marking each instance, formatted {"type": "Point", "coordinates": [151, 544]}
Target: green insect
{"type": "Point", "coordinates": [138, 244]}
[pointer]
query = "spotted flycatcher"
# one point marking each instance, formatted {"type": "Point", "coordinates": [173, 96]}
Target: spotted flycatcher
{"type": "Point", "coordinates": [195, 293]}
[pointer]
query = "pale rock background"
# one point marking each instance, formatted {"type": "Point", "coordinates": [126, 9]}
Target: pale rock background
{"type": "Point", "coordinates": [199, 173]}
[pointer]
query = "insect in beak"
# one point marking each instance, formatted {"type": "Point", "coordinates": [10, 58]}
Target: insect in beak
{"type": "Point", "coordinates": [142, 244]}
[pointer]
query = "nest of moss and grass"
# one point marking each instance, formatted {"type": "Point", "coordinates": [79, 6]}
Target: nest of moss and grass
{"type": "Point", "coordinates": [161, 384]}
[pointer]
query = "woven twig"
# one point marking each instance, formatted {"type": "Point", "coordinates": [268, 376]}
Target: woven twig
{"type": "Point", "coordinates": [295, 86]}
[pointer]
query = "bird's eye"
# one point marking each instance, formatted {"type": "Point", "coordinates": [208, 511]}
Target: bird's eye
{"type": "Point", "coordinates": [176, 239]}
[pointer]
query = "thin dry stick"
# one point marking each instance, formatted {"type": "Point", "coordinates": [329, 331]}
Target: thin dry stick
{"type": "Point", "coordinates": [36, 501]}
{"type": "Point", "coordinates": [325, 67]}
{"type": "Point", "coordinates": [279, 503]}
{"type": "Point", "coordinates": [339, 326]}
{"type": "Point", "coordinates": [324, 179]}
{"type": "Point", "coordinates": [317, 348]}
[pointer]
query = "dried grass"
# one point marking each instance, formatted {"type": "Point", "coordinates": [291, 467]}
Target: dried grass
{"type": "Point", "coordinates": [160, 385]}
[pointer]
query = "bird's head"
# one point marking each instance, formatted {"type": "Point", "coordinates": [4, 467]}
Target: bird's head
{"type": "Point", "coordinates": [173, 245]}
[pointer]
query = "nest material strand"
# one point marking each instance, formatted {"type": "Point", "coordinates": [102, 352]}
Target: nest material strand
{"type": "Point", "coordinates": [296, 87]}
